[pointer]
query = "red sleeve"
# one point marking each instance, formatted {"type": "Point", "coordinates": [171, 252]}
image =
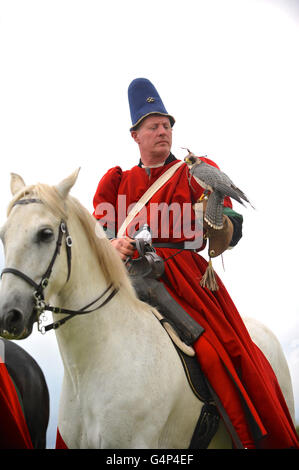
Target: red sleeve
{"type": "Point", "coordinates": [104, 201]}
{"type": "Point", "coordinates": [107, 189]}
{"type": "Point", "coordinates": [227, 200]}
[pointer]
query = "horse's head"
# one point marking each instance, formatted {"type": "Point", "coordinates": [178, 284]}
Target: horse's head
{"type": "Point", "coordinates": [31, 236]}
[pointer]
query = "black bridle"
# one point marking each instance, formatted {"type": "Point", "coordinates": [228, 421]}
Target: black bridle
{"type": "Point", "coordinates": [38, 294]}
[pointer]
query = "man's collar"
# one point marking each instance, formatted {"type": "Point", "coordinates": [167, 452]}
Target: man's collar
{"type": "Point", "coordinates": [169, 159]}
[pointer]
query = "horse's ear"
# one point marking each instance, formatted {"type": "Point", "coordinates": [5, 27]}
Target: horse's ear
{"type": "Point", "coordinates": [16, 183]}
{"type": "Point", "coordinates": [66, 185]}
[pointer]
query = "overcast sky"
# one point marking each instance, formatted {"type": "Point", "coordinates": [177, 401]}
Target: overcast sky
{"type": "Point", "coordinates": [226, 70]}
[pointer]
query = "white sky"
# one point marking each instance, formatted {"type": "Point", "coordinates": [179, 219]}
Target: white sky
{"type": "Point", "coordinates": [227, 70]}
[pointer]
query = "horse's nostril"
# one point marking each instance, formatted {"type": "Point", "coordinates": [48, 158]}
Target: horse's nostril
{"type": "Point", "coordinates": [14, 321]}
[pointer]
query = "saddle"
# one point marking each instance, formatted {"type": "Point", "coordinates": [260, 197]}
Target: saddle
{"type": "Point", "coordinates": [144, 272]}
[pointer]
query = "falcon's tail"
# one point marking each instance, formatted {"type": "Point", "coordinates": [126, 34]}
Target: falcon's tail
{"type": "Point", "coordinates": [242, 195]}
{"type": "Point", "coordinates": [233, 192]}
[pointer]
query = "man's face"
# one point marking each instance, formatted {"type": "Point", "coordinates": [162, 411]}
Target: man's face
{"type": "Point", "coordinates": [154, 136]}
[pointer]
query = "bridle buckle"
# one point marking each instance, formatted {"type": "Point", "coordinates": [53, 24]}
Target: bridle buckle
{"type": "Point", "coordinates": [68, 241]}
{"type": "Point", "coordinates": [63, 227]}
{"type": "Point", "coordinates": [44, 282]}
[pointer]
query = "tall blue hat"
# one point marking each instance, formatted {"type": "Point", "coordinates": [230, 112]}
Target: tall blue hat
{"type": "Point", "coordinates": [144, 100]}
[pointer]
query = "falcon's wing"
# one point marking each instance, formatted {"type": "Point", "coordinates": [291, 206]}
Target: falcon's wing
{"type": "Point", "coordinates": [210, 177]}
{"type": "Point", "coordinates": [206, 175]}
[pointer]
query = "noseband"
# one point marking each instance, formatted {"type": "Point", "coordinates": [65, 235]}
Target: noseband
{"type": "Point", "coordinates": [38, 294]}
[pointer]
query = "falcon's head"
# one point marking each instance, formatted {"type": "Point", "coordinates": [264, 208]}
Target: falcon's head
{"type": "Point", "coordinates": [192, 160]}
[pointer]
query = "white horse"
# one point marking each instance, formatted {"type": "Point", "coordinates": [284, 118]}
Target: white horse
{"type": "Point", "coordinates": [124, 385]}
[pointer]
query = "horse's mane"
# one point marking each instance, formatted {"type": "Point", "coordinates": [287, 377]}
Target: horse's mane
{"type": "Point", "coordinates": [111, 264]}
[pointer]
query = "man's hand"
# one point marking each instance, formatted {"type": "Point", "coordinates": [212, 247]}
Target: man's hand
{"type": "Point", "coordinates": [125, 246]}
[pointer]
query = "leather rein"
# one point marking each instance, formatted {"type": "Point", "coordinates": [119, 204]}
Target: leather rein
{"type": "Point", "coordinates": [38, 294]}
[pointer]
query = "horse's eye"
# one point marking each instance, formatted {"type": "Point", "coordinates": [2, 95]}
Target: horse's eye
{"type": "Point", "coordinates": [45, 235]}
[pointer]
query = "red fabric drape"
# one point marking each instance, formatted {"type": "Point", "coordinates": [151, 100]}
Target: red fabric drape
{"type": "Point", "coordinates": [60, 444]}
{"type": "Point", "coordinates": [14, 432]}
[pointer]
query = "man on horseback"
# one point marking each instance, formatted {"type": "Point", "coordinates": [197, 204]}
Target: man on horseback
{"type": "Point", "coordinates": [238, 372]}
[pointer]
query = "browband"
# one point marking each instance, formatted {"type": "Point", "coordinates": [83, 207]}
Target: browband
{"type": "Point", "coordinates": [27, 201]}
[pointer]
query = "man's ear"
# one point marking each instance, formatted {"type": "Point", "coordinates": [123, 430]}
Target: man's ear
{"type": "Point", "coordinates": [134, 135]}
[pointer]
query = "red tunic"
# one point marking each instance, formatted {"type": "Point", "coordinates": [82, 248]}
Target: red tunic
{"type": "Point", "coordinates": [14, 432]}
{"type": "Point", "coordinates": [237, 370]}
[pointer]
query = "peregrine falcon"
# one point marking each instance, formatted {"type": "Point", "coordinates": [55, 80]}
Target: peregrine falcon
{"type": "Point", "coordinates": [218, 184]}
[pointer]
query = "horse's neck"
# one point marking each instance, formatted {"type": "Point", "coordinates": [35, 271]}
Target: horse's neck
{"type": "Point", "coordinates": [87, 336]}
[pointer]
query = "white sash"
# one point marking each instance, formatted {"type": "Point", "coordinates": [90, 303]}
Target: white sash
{"type": "Point", "coordinates": [147, 196]}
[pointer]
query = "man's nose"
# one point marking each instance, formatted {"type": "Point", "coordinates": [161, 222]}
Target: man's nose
{"type": "Point", "coordinates": [161, 130]}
